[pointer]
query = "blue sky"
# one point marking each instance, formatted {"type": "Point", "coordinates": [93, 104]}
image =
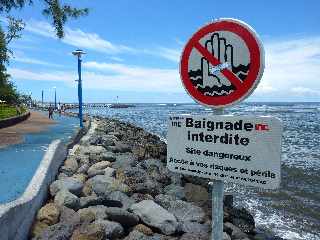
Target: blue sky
{"type": "Point", "coordinates": [133, 49]}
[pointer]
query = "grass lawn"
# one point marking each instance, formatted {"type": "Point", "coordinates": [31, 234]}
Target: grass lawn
{"type": "Point", "coordinates": [7, 111]}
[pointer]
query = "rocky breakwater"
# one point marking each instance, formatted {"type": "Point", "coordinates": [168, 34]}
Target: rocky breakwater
{"type": "Point", "coordinates": [114, 184]}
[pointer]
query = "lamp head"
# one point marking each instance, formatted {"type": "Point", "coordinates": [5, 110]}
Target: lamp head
{"type": "Point", "coordinates": [78, 52]}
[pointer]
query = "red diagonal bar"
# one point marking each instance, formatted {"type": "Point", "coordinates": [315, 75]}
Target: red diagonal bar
{"type": "Point", "coordinates": [214, 61]}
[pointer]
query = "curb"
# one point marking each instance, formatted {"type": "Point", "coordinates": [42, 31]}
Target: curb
{"type": "Point", "coordinates": [7, 122]}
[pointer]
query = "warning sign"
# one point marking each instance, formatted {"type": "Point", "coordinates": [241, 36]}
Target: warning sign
{"type": "Point", "coordinates": [241, 149]}
{"type": "Point", "coordinates": [222, 63]}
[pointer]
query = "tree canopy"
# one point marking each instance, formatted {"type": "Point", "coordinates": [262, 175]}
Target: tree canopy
{"type": "Point", "coordinates": [58, 12]}
{"type": "Point", "coordinates": [55, 10]}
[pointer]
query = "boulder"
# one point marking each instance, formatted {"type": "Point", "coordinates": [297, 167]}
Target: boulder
{"type": "Point", "coordinates": [112, 230]}
{"type": "Point", "coordinates": [175, 190]}
{"type": "Point", "coordinates": [234, 231]}
{"type": "Point", "coordinates": [149, 186]}
{"type": "Point", "coordinates": [49, 214]}
{"type": "Point", "coordinates": [103, 188]}
{"type": "Point", "coordinates": [143, 229]}
{"type": "Point", "coordinates": [109, 141]}
{"type": "Point", "coordinates": [87, 189]}
{"type": "Point", "coordinates": [80, 177]}
{"type": "Point", "coordinates": [69, 216]}
{"type": "Point", "coordinates": [95, 200]}
{"type": "Point", "coordinates": [156, 170]}
{"type": "Point", "coordinates": [121, 147]}
{"type": "Point", "coordinates": [56, 232]}
{"type": "Point", "coordinates": [110, 172]}
{"type": "Point", "coordinates": [67, 199]}
{"type": "Point", "coordinates": [63, 176]}
{"type": "Point", "coordinates": [108, 156]}
{"type": "Point", "coordinates": [123, 161]}
{"type": "Point", "coordinates": [37, 228]}
{"type": "Point", "coordinates": [92, 213]}
{"type": "Point", "coordinates": [88, 150]}
{"type": "Point", "coordinates": [139, 181]}
{"type": "Point", "coordinates": [72, 185]}
{"type": "Point", "coordinates": [125, 218]}
{"type": "Point", "coordinates": [194, 227]}
{"type": "Point", "coordinates": [242, 219]}
{"type": "Point", "coordinates": [154, 215]}
{"type": "Point", "coordinates": [138, 197]}
{"type": "Point", "coordinates": [195, 193]}
{"type": "Point", "coordinates": [70, 166]}
{"type": "Point", "coordinates": [183, 211]}
{"type": "Point", "coordinates": [136, 235]}
{"type": "Point", "coordinates": [193, 236]}
{"type": "Point", "coordinates": [97, 168]}
{"type": "Point", "coordinates": [88, 232]}
{"type": "Point", "coordinates": [121, 198]}
{"type": "Point", "coordinates": [83, 168]}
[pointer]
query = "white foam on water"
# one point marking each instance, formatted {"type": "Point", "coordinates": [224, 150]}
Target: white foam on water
{"type": "Point", "coordinates": [282, 226]}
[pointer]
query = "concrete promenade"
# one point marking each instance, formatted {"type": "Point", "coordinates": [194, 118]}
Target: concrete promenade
{"type": "Point", "coordinates": [37, 122]}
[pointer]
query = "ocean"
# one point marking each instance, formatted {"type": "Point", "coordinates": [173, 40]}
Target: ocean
{"type": "Point", "coordinates": [291, 212]}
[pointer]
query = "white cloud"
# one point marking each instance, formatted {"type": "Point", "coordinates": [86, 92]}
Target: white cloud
{"type": "Point", "coordinates": [28, 60]}
{"type": "Point", "coordinates": [303, 91]}
{"type": "Point", "coordinates": [292, 67]}
{"type": "Point", "coordinates": [77, 38]}
{"type": "Point", "coordinates": [169, 54]}
{"type": "Point", "coordinates": [111, 77]}
{"type": "Point", "coordinates": [60, 76]}
{"type": "Point", "coordinates": [81, 39]}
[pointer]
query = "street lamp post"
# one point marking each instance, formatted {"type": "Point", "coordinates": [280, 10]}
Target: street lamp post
{"type": "Point", "coordinates": [42, 98]}
{"type": "Point", "coordinates": [55, 97]}
{"type": "Point", "coordinates": [78, 53]}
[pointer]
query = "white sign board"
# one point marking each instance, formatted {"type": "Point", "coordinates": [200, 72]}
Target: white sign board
{"type": "Point", "coordinates": [241, 149]}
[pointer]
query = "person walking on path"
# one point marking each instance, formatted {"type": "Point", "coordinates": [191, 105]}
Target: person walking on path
{"type": "Point", "coordinates": [59, 109]}
{"type": "Point", "coordinates": [50, 109]}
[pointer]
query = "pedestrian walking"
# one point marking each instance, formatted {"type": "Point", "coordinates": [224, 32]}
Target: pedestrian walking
{"type": "Point", "coordinates": [59, 109]}
{"type": "Point", "coordinates": [50, 110]}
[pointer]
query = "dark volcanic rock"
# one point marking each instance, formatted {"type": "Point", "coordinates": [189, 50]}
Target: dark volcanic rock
{"type": "Point", "coordinates": [59, 231]}
{"type": "Point", "coordinates": [242, 219]}
{"type": "Point", "coordinates": [154, 215]}
{"type": "Point", "coordinates": [183, 211]}
{"type": "Point", "coordinates": [122, 216]}
{"type": "Point", "coordinates": [121, 198]}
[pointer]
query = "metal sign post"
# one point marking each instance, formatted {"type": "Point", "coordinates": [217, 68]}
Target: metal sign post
{"type": "Point", "coordinates": [217, 200]}
{"type": "Point", "coordinates": [217, 209]}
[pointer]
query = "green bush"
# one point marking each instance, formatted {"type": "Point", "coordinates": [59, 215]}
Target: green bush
{"type": "Point", "coordinates": [7, 111]}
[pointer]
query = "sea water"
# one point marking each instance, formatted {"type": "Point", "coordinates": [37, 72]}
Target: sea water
{"type": "Point", "coordinates": [293, 211]}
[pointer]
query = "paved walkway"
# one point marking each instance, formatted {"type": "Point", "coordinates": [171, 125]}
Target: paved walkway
{"type": "Point", "coordinates": [37, 122]}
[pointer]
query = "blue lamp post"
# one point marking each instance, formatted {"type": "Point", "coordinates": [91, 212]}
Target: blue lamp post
{"type": "Point", "coordinates": [78, 54]}
{"type": "Point", "coordinates": [55, 97]}
{"type": "Point", "coordinates": [42, 98]}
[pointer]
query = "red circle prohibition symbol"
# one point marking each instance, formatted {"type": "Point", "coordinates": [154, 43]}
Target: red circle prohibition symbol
{"type": "Point", "coordinates": [242, 89]}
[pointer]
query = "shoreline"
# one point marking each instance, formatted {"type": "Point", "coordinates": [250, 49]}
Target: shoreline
{"type": "Point", "coordinates": [114, 184]}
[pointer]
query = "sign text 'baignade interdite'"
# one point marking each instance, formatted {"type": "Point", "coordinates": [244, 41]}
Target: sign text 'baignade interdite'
{"type": "Point", "coordinates": [241, 149]}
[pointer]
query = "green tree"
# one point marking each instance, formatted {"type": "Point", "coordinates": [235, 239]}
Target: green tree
{"type": "Point", "coordinates": [57, 12]}
{"type": "Point", "coordinates": [8, 91]}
